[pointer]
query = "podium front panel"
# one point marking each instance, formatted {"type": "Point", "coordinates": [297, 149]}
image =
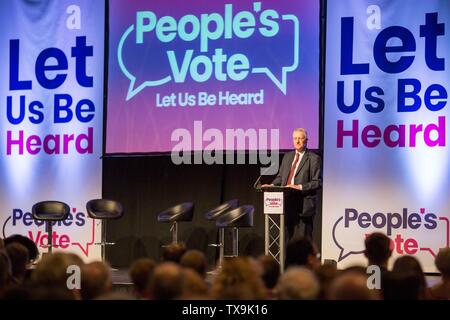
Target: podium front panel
{"type": "Point", "coordinates": [273, 203]}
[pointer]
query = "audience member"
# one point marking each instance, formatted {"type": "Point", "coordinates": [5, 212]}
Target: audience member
{"type": "Point", "coordinates": [194, 286]}
{"type": "Point", "coordinates": [270, 273]}
{"type": "Point", "coordinates": [298, 283]}
{"type": "Point", "coordinates": [302, 252]}
{"type": "Point", "coordinates": [173, 252]}
{"type": "Point", "coordinates": [410, 265]}
{"type": "Point", "coordinates": [167, 281]}
{"type": "Point", "coordinates": [441, 290]}
{"type": "Point", "coordinates": [141, 273]}
{"type": "Point", "coordinates": [18, 255]}
{"type": "Point", "coordinates": [196, 261]}
{"type": "Point", "coordinates": [95, 280]}
{"type": "Point", "coordinates": [351, 285]}
{"type": "Point", "coordinates": [238, 280]}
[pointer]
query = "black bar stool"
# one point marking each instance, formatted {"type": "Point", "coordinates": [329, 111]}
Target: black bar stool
{"type": "Point", "coordinates": [104, 209]}
{"type": "Point", "coordinates": [215, 214]}
{"type": "Point", "coordinates": [49, 212]}
{"type": "Point", "coordinates": [180, 212]}
{"type": "Point", "coordinates": [241, 217]}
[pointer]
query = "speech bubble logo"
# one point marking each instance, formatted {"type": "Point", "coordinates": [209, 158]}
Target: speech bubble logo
{"type": "Point", "coordinates": [350, 240]}
{"type": "Point", "coordinates": [8, 229]}
{"type": "Point", "coordinates": [443, 229]}
{"type": "Point", "coordinates": [282, 84]}
{"type": "Point", "coordinates": [348, 248]}
{"type": "Point", "coordinates": [133, 89]}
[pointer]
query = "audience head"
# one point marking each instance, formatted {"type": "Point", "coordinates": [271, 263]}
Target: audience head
{"type": "Point", "coordinates": [326, 274]}
{"type": "Point", "coordinates": [141, 273]}
{"type": "Point", "coordinates": [406, 265]}
{"type": "Point", "coordinates": [5, 271]}
{"type": "Point", "coordinates": [378, 249]}
{"type": "Point", "coordinates": [173, 252]}
{"type": "Point", "coordinates": [302, 252]}
{"type": "Point", "coordinates": [167, 281]}
{"type": "Point", "coordinates": [33, 252]}
{"type": "Point", "coordinates": [193, 285]}
{"type": "Point", "coordinates": [402, 286]}
{"type": "Point", "coordinates": [51, 274]}
{"type": "Point", "coordinates": [351, 285]}
{"type": "Point", "coordinates": [195, 260]}
{"type": "Point", "coordinates": [442, 262]}
{"type": "Point", "coordinates": [18, 255]}
{"type": "Point", "coordinates": [238, 280]}
{"type": "Point", "coordinates": [298, 283]}
{"type": "Point", "coordinates": [95, 280]}
{"type": "Point", "coordinates": [270, 271]}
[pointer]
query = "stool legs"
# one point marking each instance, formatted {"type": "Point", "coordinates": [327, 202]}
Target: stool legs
{"type": "Point", "coordinates": [235, 242]}
{"type": "Point", "coordinates": [221, 245]}
{"type": "Point", "coordinates": [50, 236]}
{"type": "Point", "coordinates": [174, 229]}
{"type": "Point", "coordinates": [103, 245]}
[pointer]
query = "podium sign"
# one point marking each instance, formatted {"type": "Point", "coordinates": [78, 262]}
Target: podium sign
{"type": "Point", "coordinates": [273, 203]}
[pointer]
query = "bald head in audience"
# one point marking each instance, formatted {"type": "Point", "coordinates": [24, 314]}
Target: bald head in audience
{"type": "Point", "coordinates": [298, 283]}
{"type": "Point", "coordinates": [167, 282]}
{"type": "Point", "coordinates": [95, 280]}
{"type": "Point", "coordinates": [141, 273]}
{"type": "Point", "coordinates": [195, 260]}
{"type": "Point", "coordinates": [351, 285]}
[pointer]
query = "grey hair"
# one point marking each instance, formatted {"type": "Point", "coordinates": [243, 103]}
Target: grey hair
{"type": "Point", "coordinates": [298, 283]}
{"type": "Point", "coordinates": [301, 130]}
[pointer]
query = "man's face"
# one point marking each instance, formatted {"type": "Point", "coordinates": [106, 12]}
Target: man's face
{"type": "Point", "coordinates": [300, 140]}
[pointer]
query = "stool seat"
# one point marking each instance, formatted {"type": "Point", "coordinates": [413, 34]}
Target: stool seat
{"type": "Point", "coordinates": [221, 209]}
{"type": "Point", "coordinates": [104, 209]}
{"type": "Point", "coordinates": [241, 217]}
{"type": "Point", "coordinates": [181, 212]}
{"type": "Point", "coordinates": [50, 211]}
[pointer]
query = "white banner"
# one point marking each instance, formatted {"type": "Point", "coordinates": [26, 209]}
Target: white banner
{"type": "Point", "coordinates": [386, 157]}
{"type": "Point", "coordinates": [51, 92]}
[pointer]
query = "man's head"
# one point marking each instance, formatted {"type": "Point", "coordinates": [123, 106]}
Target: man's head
{"type": "Point", "coordinates": [95, 280]}
{"type": "Point", "coordinates": [302, 252]}
{"type": "Point", "coordinates": [18, 255]}
{"type": "Point", "coordinates": [33, 252]}
{"type": "Point", "coordinates": [5, 270]}
{"type": "Point", "coordinates": [271, 271]}
{"type": "Point", "coordinates": [173, 252]}
{"type": "Point", "coordinates": [167, 281]}
{"type": "Point", "coordinates": [351, 286]}
{"type": "Point", "coordinates": [196, 261]}
{"type": "Point", "coordinates": [298, 283]}
{"type": "Point", "coordinates": [51, 273]}
{"type": "Point", "coordinates": [378, 249]}
{"type": "Point", "coordinates": [141, 272]}
{"type": "Point", "coordinates": [442, 262]}
{"type": "Point", "coordinates": [300, 139]}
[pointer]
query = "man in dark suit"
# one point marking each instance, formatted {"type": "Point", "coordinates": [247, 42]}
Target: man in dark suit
{"type": "Point", "coordinates": [300, 170]}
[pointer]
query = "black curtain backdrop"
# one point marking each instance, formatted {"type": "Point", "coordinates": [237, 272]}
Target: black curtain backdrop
{"type": "Point", "coordinates": [147, 185]}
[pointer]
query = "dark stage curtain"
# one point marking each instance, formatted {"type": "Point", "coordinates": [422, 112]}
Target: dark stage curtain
{"type": "Point", "coordinates": [147, 185]}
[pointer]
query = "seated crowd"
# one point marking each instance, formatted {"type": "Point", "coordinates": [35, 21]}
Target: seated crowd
{"type": "Point", "coordinates": [182, 274]}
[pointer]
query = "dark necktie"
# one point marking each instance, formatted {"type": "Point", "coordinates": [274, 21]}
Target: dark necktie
{"type": "Point", "coordinates": [291, 174]}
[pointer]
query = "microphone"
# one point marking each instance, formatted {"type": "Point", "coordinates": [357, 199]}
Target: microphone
{"type": "Point", "coordinates": [257, 184]}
